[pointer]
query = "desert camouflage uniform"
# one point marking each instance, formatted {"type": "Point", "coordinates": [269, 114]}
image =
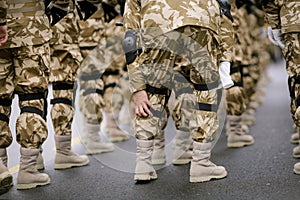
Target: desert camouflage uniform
{"type": "Point", "coordinates": [65, 61]}
{"type": "Point", "coordinates": [204, 29]}
{"type": "Point", "coordinates": [285, 15]}
{"type": "Point", "coordinates": [100, 73]}
{"type": "Point", "coordinates": [24, 70]}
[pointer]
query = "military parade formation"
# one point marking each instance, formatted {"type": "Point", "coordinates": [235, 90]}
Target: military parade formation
{"type": "Point", "coordinates": [156, 59]}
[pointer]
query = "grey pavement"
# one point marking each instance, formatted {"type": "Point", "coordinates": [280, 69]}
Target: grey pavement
{"type": "Point", "coordinates": [261, 171]}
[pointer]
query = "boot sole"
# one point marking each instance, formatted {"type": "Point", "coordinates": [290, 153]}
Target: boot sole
{"type": "Point", "coordinates": [144, 178]}
{"type": "Point", "coordinates": [118, 139]}
{"type": "Point", "coordinates": [6, 181]}
{"type": "Point", "coordinates": [70, 165]}
{"type": "Point", "coordinates": [239, 144]}
{"type": "Point", "coordinates": [296, 156]}
{"type": "Point", "coordinates": [181, 162]}
{"type": "Point", "coordinates": [99, 151]}
{"type": "Point", "coordinates": [205, 178]}
{"type": "Point", "coordinates": [295, 141]}
{"type": "Point", "coordinates": [26, 186]}
{"type": "Point", "coordinates": [296, 171]}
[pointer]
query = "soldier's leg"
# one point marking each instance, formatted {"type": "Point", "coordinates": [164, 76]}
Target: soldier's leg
{"type": "Point", "coordinates": [31, 128]}
{"type": "Point", "coordinates": [235, 106]}
{"type": "Point", "coordinates": [291, 55]}
{"type": "Point", "coordinates": [6, 96]}
{"type": "Point", "coordinates": [113, 98]}
{"type": "Point", "coordinates": [62, 76]}
{"type": "Point", "coordinates": [204, 122]}
{"type": "Point", "coordinates": [91, 105]}
{"type": "Point", "coordinates": [183, 108]}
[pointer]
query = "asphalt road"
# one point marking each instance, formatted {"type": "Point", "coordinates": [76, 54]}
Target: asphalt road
{"type": "Point", "coordinates": [261, 171]}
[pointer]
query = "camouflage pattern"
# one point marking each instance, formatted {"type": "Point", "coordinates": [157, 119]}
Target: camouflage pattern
{"type": "Point", "coordinates": [285, 15]}
{"type": "Point", "coordinates": [24, 68]}
{"type": "Point", "coordinates": [100, 43]}
{"type": "Point", "coordinates": [161, 75]}
{"type": "Point", "coordinates": [65, 61]}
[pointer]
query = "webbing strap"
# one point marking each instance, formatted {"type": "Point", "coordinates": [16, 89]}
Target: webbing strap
{"type": "Point", "coordinates": [31, 109]}
{"type": "Point", "coordinates": [4, 118]}
{"type": "Point", "coordinates": [5, 102]}
{"type": "Point", "coordinates": [206, 107]}
{"type": "Point", "coordinates": [205, 87]}
{"type": "Point", "coordinates": [61, 100]}
{"type": "Point", "coordinates": [155, 90]}
{"type": "Point", "coordinates": [63, 86]}
{"type": "Point", "coordinates": [181, 91]}
{"type": "Point", "coordinates": [156, 113]}
{"type": "Point", "coordinates": [32, 96]}
{"type": "Point", "coordinates": [89, 77]}
{"type": "Point", "coordinates": [91, 91]}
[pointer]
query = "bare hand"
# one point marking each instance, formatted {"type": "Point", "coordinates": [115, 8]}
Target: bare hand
{"type": "Point", "coordinates": [142, 104]}
{"type": "Point", "coordinates": [3, 34]}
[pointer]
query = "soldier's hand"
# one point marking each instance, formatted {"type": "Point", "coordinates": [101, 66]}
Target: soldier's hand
{"type": "Point", "coordinates": [142, 104]}
{"type": "Point", "coordinates": [3, 34]}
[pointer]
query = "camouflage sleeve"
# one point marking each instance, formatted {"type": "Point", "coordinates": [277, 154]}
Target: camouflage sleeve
{"type": "Point", "coordinates": [3, 11]}
{"type": "Point", "coordinates": [132, 17]}
{"type": "Point", "coordinates": [272, 12]}
{"type": "Point", "coordinates": [227, 40]}
{"type": "Point", "coordinates": [62, 3]}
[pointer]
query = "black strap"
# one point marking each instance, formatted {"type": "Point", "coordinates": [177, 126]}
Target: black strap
{"type": "Point", "coordinates": [297, 103]}
{"type": "Point", "coordinates": [32, 96]}
{"type": "Point", "coordinates": [205, 87]}
{"type": "Point", "coordinates": [181, 91]}
{"type": "Point", "coordinates": [111, 72]}
{"type": "Point", "coordinates": [89, 77]}
{"type": "Point", "coordinates": [156, 113]}
{"type": "Point", "coordinates": [5, 102]}
{"type": "Point", "coordinates": [206, 107]}
{"type": "Point", "coordinates": [155, 90]}
{"type": "Point", "coordinates": [234, 70]}
{"type": "Point", "coordinates": [297, 79]}
{"type": "Point", "coordinates": [61, 100]}
{"type": "Point", "coordinates": [91, 91]}
{"type": "Point", "coordinates": [62, 86]}
{"type": "Point", "coordinates": [112, 85]}
{"type": "Point", "coordinates": [4, 118]}
{"type": "Point", "coordinates": [31, 109]}
{"type": "Point", "coordinates": [238, 84]}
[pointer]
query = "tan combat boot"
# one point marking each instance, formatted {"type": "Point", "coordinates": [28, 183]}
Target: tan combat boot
{"type": "Point", "coordinates": [6, 179]}
{"type": "Point", "coordinates": [115, 134]}
{"type": "Point", "coordinates": [295, 137]}
{"type": "Point", "coordinates": [144, 171]}
{"type": "Point", "coordinates": [236, 135]}
{"type": "Point", "coordinates": [182, 153]}
{"type": "Point", "coordinates": [65, 158]}
{"type": "Point", "coordinates": [248, 117]}
{"type": "Point", "coordinates": [29, 176]}
{"type": "Point", "coordinates": [40, 160]}
{"type": "Point", "coordinates": [296, 152]}
{"type": "Point", "coordinates": [158, 155]}
{"type": "Point", "coordinates": [94, 144]}
{"type": "Point", "coordinates": [202, 169]}
{"type": "Point", "coordinates": [297, 168]}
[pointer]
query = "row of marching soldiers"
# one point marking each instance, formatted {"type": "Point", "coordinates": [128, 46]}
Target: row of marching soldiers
{"type": "Point", "coordinates": [58, 49]}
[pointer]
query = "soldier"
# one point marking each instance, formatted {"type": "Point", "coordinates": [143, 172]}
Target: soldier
{"type": "Point", "coordinates": [99, 77]}
{"type": "Point", "coordinates": [181, 31]}
{"type": "Point", "coordinates": [24, 69]}
{"type": "Point", "coordinates": [65, 61]}
{"type": "Point", "coordinates": [283, 18]}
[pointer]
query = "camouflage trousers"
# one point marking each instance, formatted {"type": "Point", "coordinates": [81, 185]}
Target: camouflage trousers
{"type": "Point", "coordinates": [63, 73]}
{"type": "Point", "coordinates": [158, 66]}
{"type": "Point", "coordinates": [24, 71]}
{"type": "Point", "coordinates": [235, 96]}
{"type": "Point", "coordinates": [291, 54]}
{"type": "Point", "coordinates": [103, 80]}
